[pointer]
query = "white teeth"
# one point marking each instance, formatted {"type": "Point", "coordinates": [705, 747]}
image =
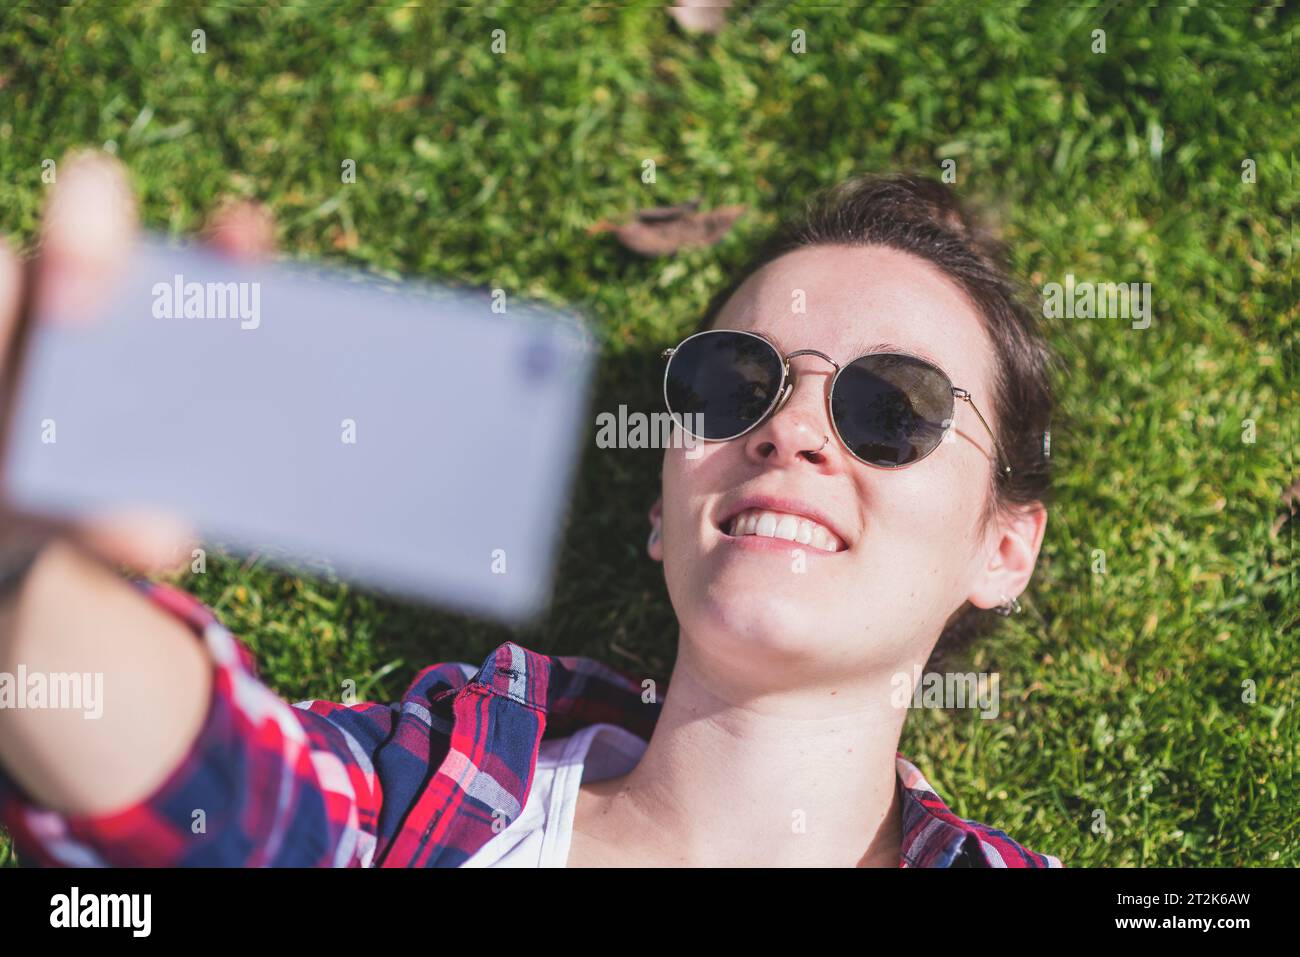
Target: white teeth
{"type": "Point", "coordinates": [791, 528]}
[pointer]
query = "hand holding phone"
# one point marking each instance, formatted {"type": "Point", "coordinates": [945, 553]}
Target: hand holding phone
{"type": "Point", "coordinates": [85, 232]}
{"type": "Point", "coordinates": [411, 437]}
{"type": "Point", "coordinates": [70, 609]}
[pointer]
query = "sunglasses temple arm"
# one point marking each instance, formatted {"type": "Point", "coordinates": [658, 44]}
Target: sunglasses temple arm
{"type": "Point", "coordinates": [965, 396]}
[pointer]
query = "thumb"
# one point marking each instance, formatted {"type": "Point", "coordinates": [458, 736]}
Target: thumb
{"type": "Point", "coordinates": [86, 235]}
{"type": "Point", "coordinates": [11, 283]}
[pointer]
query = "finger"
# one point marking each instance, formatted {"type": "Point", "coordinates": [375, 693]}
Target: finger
{"type": "Point", "coordinates": [86, 234]}
{"type": "Point", "coordinates": [242, 228]}
{"type": "Point", "coordinates": [11, 283]}
{"type": "Point", "coordinates": [149, 540]}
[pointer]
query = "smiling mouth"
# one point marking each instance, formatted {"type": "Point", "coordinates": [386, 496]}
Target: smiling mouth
{"type": "Point", "coordinates": [767, 523]}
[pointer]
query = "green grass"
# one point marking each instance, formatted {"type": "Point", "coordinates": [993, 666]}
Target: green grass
{"type": "Point", "coordinates": [1123, 691]}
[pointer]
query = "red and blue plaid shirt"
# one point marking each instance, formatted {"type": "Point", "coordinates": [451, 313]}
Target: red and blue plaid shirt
{"type": "Point", "coordinates": [415, 783]}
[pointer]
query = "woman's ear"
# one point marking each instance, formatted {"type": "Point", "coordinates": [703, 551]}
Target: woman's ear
{"type": "Point", "coordinates": [1011, 562]}
{"type": "Point", "coordinates": [655, 543]}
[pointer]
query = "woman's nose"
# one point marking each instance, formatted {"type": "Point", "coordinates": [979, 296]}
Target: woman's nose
{"type": "Point", "coordinates": [799, 427]}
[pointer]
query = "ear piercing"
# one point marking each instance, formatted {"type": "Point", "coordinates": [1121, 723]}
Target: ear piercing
{"type": "Point", "coordinates": [1009, 606]}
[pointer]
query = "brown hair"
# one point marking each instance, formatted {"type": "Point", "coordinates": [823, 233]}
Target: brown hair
{"type": "Point", "coordinates": [924, 217]}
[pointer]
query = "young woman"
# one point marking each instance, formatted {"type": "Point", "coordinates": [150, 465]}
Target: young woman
{"type": "Point", "coordinates": [875, 401]}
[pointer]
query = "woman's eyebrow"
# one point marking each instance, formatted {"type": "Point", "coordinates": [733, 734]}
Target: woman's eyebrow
{"type": "Point", "coordinates": [863, 348]}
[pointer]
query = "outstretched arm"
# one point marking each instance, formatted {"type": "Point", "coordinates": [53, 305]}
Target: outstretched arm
{"type": "Point", "coordinates": [167, 775]}
{"type": "Point", "coordinates": [186, 758]}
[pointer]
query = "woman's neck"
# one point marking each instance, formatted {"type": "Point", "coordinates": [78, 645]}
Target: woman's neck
{"type": "Point", "coordinates": [793, 773]}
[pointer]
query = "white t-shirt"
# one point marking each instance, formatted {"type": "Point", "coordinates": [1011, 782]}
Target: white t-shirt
{"type": "Point", "coordinates": [540, 836]}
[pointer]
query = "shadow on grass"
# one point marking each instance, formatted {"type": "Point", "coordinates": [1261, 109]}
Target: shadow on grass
{"type": "Point", "coordinates": [610, 601]}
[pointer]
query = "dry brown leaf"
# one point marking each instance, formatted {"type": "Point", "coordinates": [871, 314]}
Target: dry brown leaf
{"type": "Point", "coordinates": [657, 214]}
{"type": "Point", "coordinates": [1290, 499]}
{"type": "Point", "coordinates": [662, 230]}
{"type": "Point", "coordinates": [698, 16]}
{"type": "Point", "coordinates": [407, 102]}
{"type": "Point", "coordinates": [344, 239]}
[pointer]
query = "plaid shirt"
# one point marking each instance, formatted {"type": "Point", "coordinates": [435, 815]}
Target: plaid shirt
{"type": "Point", "coordinates": [423, 782]}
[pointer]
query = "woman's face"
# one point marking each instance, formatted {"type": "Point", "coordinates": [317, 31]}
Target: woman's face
{"type": "Point", "coordinates": [907, 553]}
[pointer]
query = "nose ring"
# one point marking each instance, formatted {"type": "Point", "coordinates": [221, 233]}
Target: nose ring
{"type": "Point", "coordinates": [823, 445]}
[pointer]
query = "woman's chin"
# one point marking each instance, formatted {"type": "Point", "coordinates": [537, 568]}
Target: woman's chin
{"type": "Point", "coordinates": [779, 623]}
{"type": "Point", "coordinates": [758, 604]}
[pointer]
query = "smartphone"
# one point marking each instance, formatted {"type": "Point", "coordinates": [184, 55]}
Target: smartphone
{"type": "Point", "coordinates": [412, 437]}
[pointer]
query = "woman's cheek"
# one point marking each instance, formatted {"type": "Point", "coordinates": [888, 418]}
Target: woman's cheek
{"type": "Point", "coordinates": [926, 516]}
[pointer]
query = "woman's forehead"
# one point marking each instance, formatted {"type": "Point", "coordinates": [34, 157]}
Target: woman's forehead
{"type": "Point", "coordinates": [848, 301]}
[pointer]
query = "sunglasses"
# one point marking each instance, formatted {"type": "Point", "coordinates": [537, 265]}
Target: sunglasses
{"type": "Point", "coordinates": [889, 409]}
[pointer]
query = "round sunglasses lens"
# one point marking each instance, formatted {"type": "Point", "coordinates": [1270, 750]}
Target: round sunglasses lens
{"type": "Point", "coordinates": [725, 381]}
{"type": "Point", "coordinates": [891, 409]}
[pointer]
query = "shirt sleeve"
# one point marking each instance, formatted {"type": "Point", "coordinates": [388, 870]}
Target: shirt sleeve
{"type": "Point", "coordinates": [264, 783]}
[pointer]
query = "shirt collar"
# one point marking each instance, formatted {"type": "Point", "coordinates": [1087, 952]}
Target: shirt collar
{"type": "Point", "coordinates": [574, 691]}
